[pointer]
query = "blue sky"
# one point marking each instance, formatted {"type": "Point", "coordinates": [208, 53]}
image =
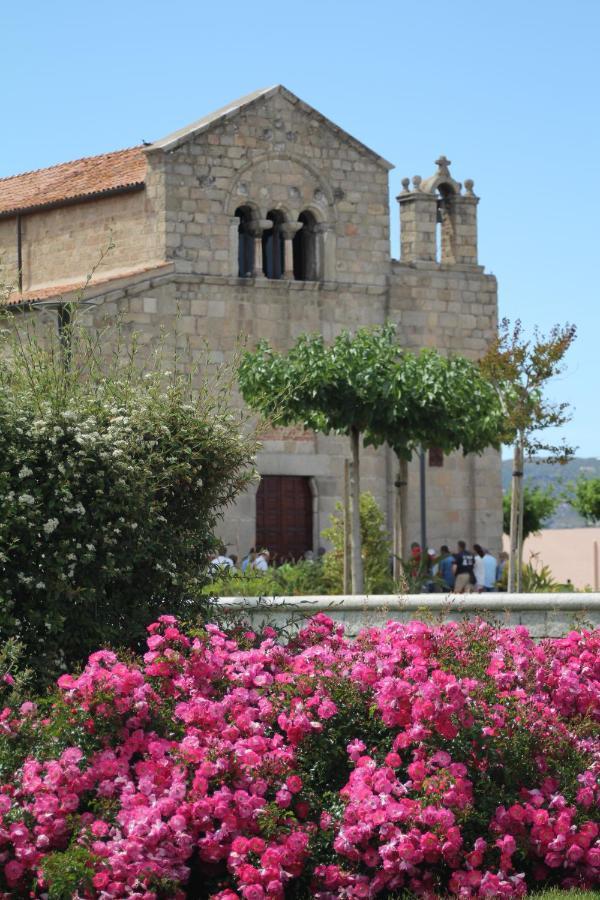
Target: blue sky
{"type": "Point", "coordinates": [507, 90]}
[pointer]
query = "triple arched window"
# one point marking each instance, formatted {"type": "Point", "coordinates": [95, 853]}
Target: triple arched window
{"type": "Point", "coordinates": [277, 248]}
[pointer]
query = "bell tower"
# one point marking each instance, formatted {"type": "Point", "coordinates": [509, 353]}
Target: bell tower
{"type": "Point", "coordinates": [438, 221]}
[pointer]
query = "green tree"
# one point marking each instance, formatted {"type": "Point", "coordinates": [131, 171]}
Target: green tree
{"type": "Point", "coordinates": [366, 385]}
{"type": "Point", "coordinates": [438, 401]}
{"type": "Point", "coordinates": [337, 388]}
{"type": "Point", "coordinates": [111, 484]}
{"type": "Point", "coordinates": [539, 505]}
{"type": "Point", "coordinates": [519, 370]}
{"type": "Point", "coordinates": [585, 499]}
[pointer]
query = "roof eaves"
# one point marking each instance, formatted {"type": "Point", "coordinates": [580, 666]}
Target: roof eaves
{"type": "Point", "coordinates": [76, 198]}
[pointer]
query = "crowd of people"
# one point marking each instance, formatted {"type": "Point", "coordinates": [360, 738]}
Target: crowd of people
{"type": "Point", "coordinates": [463, 572]}
{"type": "Point", "coordinates": [259, 560]}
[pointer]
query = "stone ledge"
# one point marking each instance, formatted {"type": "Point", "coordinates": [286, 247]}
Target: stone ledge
{"type": "Point", "coordinates": [544, 615]}
{"type": "Point", "coordinates": [500, 602]}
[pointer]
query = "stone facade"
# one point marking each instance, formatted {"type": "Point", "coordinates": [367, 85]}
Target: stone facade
{"type": "Point", "coordinates": [266, 164]}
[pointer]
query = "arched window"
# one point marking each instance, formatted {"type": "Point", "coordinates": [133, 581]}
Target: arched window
{"type": "Point", "coordinates": [273, 244]}
{"type": "Point", "coordinates": [245, 242]}
{"type": "Point", "coordinates": [444, 229]}
{"type": "Point", "coordinates": [306, 255]}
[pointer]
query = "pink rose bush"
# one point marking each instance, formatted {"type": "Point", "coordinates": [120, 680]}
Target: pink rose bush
{"type": "Point", "coordinates": [459, 760]}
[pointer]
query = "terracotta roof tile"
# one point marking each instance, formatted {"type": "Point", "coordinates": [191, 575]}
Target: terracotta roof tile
{"type": "Point", "coordinates": [70, 181]}
{"type": "Point", "coordinates": [63, 290]}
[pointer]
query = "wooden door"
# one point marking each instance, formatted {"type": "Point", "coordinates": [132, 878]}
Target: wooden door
{"type": "Point", "coordinates": [284, 520]}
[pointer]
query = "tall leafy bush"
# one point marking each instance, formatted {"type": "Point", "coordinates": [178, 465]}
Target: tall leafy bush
{"type": "Point", "coordinates": [113, 474]}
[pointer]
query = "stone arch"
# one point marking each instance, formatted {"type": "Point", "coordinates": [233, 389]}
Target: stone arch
{"type": "Point", "coordinates": [319, 183]}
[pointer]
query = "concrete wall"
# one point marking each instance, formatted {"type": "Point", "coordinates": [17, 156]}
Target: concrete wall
{"type": "Point", "coordinates": [544, 615]}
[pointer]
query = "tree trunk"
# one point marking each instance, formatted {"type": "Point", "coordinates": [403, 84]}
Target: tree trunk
{"type": "Point", "coordinates": [519, 563]}
{"type": "Point", "coordinates": [516, 521]}
{"type": "Point", "coordinates": [357, 564]}
{"type": "Point", "coordinates": [347, 528]}
{"type": "Point", "coordinates": [400, 510]}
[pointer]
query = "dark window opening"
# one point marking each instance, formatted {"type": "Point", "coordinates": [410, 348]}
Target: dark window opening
{"type": "Point", "coordinates": [245, 242]}
{"type": "Point", "coordinates": [306, 263]}
{"type": "Point", "coordinates": [436, 457]}
{"type": "Point", "coordinates": [273, 245]}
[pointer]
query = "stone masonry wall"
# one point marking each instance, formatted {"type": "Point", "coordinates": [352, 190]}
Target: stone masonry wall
{"type": "Point", "coordinates": [274, 155]}
{"type": "Point", "coordinates": [60, 246]}
{"type": "Point", "coordinates": [454, 309]}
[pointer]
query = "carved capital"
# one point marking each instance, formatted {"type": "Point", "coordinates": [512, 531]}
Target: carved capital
{"type": "Point", "coordinates": [289, 229]}
{"type": "Point", "coordinates": [257, 226]}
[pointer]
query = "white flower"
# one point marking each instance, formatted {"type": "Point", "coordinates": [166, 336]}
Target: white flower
{"type": "Point", "coordinates": [50, 526]}
{"type": "Point", "coordinates": [26, 499]}
{"type": "Point", "coordinates": [24, 472]}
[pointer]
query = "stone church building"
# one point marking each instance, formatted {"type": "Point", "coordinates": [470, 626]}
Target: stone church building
{"type": "Point", "coordinates": [266, 220]}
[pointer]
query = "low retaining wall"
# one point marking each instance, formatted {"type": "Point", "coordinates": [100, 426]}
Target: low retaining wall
{"type": "Point", "coordinates": [545, 615]}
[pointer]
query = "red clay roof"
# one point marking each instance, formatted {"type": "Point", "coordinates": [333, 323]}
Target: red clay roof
{"type": "Point", "coordinates": [75, 180]}
{"type": "Point", "coordinates": [60, 290]}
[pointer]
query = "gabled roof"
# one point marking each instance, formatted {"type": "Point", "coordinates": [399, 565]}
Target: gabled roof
{"type": "Point", "coordinates": [73, 181]}
{"type": "Point", "coordinates": [125, 170]}
{"type": "Point", "coordinates": [177, 138]}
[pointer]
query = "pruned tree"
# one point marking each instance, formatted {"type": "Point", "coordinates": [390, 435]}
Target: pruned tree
{"type": "Point", "coordinates": [519, 370]}
{"type": "Point", "coordinates": [434, 401]}
{"type": "Point", "coordinates": [585, 499]}
{"type": "Point", "coordinates": [366, 385]}
{"type": "Point", "coordinates": [337, 388]}
{"type": "Point", "coordinates": [539, 505]}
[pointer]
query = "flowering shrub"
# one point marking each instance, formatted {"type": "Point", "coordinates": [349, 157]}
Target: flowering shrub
{"type": "Point", "coordinates": [110, 486]}
{"type": "Point", "coordinates": [454, 759]}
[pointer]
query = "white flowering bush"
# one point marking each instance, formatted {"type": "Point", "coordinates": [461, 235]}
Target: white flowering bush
{"type": "Point", "coordinates": [111, 483]}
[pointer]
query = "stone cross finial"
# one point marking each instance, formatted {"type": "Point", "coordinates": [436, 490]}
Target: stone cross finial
{"type": "Point", "coordinates": [442, 163]}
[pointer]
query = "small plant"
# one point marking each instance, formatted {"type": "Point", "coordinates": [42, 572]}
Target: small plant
{"type": "Point", "coordinates": [375, 549]}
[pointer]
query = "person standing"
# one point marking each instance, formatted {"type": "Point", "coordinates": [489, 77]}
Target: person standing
{"type": "Point", "coordinates": [464, 563]}
{"type": "Point", "coordinates": [479, 568]}
{"type": "Point", "coordinates": [261, 563]}
{"type": "Point", "coordinates": [220, 561]}
{"type": "Point", "coordinates": [248, 559]}
{"type": "Point", "coordinates": [490, 564]}
{"type": "Point", "coordinates": [446, 567]}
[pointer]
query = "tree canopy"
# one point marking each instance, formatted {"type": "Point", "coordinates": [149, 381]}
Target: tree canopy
{"type": "Point", "coordinates": [586, 499]}
{"type": "Point", "coordinates": [539, 505]}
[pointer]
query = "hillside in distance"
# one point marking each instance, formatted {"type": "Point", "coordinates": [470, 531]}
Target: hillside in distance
{"type": "Point", "coordinates": [544, 474]}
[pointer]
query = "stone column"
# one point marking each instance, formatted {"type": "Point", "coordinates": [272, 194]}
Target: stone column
{"type": "Point", "coordinates": [418, 216]}
{"type": "Point", "coordinates": [325, 251]}
{"type": "Point", "coordinates": [289, 230]}
{"type": "Point", "coordinates": [256, 230]}
{"type": "Point", "coordinates": [466, 226]}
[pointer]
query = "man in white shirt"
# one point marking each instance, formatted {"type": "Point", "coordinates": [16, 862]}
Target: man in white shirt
{"type": "Point", "coordinates": [262, 561]}
{"type": "Point", "coordinates": [484, 569]}
{"type": "Point", "coordinates": [490, 564]}
{"type": "Point", "coordinates": [220, 561]}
